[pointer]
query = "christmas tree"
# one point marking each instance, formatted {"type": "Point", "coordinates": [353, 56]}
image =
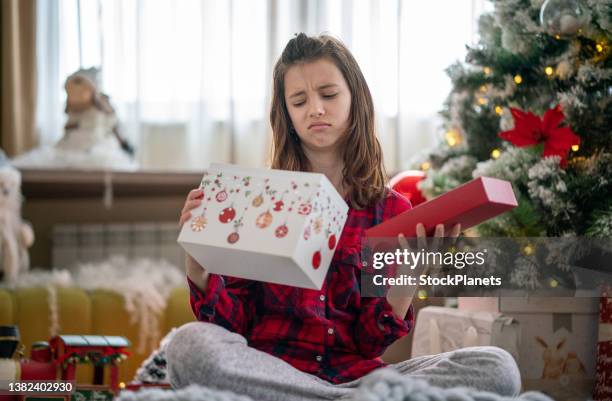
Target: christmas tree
{"type": "Point", "coordinates": [532, 104]}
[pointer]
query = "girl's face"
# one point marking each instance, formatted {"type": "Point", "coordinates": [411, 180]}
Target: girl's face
{"type": "Point", "coordinates": [319, 103]}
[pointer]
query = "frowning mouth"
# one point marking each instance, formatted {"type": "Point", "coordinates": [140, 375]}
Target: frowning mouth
{"type": "Point", "coordinates": [319, 125]}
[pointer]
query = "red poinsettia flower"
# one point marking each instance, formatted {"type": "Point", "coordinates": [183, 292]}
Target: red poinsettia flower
{"type": "Point", "coordinates": [530, 130]}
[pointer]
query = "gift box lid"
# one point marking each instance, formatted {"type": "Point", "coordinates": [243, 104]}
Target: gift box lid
{"type": "Point", "coordinates": [468, 204]}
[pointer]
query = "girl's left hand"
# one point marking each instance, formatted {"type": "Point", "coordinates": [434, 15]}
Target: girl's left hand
{"type": "Point", "coordinates": [424, 243]}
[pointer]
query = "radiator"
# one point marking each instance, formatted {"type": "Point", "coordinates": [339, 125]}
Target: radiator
{"type": "Point", "coordinates": [79, 243]}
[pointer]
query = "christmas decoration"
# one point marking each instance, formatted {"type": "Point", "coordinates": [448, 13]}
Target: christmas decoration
{"type": "Point", "coordinates": [16, 235]}
{"type": "Point", "coordinates": [531, 130]}
{"type": "Point", "coordinates": [548, 94]}
{"type": "Point", "coordinates": [70, 350]}
{"type": "Point", "coordinates": [92, 138]}
{"type": "Point", "coordinates": [563, 18]}
{"type": "Point", "coordinates": [406, 183]}
{"type": "Point", "coordinates": [603, 389]}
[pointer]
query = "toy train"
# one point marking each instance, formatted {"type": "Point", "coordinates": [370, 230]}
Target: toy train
{"type": "Point", "coordinates": [58, 358]}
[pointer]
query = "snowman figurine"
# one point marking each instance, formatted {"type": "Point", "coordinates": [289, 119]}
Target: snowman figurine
{"type": "Point", "coordinates": [92, 121]}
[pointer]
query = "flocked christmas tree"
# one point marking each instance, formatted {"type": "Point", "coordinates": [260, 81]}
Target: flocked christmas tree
{"type": "Point", "coordinates": [532, 104]}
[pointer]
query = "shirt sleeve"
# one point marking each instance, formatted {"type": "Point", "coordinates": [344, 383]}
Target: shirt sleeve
{"type": "Point", "coordinates": [378, 326]}
{"type": "Point", "coordinates": [227, 301]}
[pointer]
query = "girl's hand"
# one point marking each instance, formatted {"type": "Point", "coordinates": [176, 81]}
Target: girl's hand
{"type": "Point", "coordinates": [400, 297]}
{"type": "Point", "coordinates": [194, 199]}
{"type": "Point", "coordinates": [422, 241]}
{"type": "Point", "coordinates": [196, 272]}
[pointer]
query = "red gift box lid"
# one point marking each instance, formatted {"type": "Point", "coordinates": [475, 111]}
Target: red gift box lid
{"type": "Point", "coordinates": [468, 204]}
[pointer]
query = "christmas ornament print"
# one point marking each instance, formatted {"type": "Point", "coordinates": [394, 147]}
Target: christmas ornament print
{"type": "Point", "coordinates": [278, 206]}
{"type": "Point", "coordinates": [281, 231]}
{"type": "Point", "coordinates": [304, 209]}
{"type": "Point", "coordinates": [264, 219]}
{"type": "Point", "coordinates": [307, 232]}
{"type": "Point", "coordinates": [331, 242]}
{"type": "Point", "coordinates": [227, 215]}
{"type": "Point", "coordinates": [221, 196]}
{"type": "Point", "coordinates": [257, 201]}
{"type": "Point", "coordinates": [233, 237]}
{"type": "Point", "coordinates": [316, 260]}
{"type": "Point", "coordinates": [199, 223]}
{"type": "Point", "coordinates": [317, 225]}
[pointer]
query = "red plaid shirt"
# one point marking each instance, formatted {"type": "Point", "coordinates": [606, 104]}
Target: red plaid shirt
{"type": "Point", "coordinates": [333, 333]}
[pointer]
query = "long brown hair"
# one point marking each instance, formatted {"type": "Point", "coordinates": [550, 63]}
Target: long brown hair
{"type": "Point", "coordinates": [363, 173]}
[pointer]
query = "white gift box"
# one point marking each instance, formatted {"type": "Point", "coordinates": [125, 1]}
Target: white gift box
{"type": "Point", "coordinates": [268, 225]}
{"type": "Point", "coordinates": [558, 341]}
{"type": "Point", "coordinates": [440, 329]}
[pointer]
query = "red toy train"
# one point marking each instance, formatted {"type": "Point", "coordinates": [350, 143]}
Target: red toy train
{"type": "Point", "coordinates": [58, 359]}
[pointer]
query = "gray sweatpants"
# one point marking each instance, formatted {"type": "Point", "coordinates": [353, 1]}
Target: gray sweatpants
{"type": "Point", "coordinates": [210, 355]}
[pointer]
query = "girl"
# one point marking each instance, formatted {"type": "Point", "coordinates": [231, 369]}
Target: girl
{"type": "Point", "coordinates": [275, 342]}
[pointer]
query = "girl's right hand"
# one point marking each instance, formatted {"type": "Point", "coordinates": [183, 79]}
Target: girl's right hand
{"type": "Point", "coordinates": [194, 199]}
{"type": "Point", "coordinates": [196, 272]}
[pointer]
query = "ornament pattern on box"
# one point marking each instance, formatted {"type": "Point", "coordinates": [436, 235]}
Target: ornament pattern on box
{"type": "Point", "coordinates": [276, 206]}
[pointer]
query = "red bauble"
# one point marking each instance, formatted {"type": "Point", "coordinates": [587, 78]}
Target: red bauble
{"type": "Point", "coordinates": [331, 242]}
{"type": "Point", "coordinates": [406, 184]}
{"type": "Point", "coordinates": [227, 215]}
{"type": "Point", "coordinates": [316, 260]}
{"type": "Point", "coordinates": [281, 231]}
{"type": "Point", "coordinates": [278, 206]}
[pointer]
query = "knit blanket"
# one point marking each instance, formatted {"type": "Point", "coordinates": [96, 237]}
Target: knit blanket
{"type": "Point", "coordinates": [382, 385]}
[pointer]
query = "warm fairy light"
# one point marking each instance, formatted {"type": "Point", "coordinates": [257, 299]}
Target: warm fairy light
{"type": "Point", "coordinates": [422, 294]}
{"type": "Point", "coordinates": [599, 47]}
{"type": "Point", "coordinates": [453, 137]}
{"type": "Point", "coordinates": [557, 37]}
{"type": "Point", "coordinates": [122, 385]}
{"type": "Point", "coordinates": [549, 71]}
{"type": "Point", "coordinates": [483, 88]}
{"type": "Point", "coordinates": [482, 101]}
{"type": "Point", "coordinates": [575, 148]}
{"type": "Point", "coordinates": [495, 153]}
{"type": "Point", "coordinates": [553, 283]}
{"type": "Point", "coordinates": [425, 166]}
{"type": "Point", "coordinates": [499, 110]}
{"type": "Point", "coordinates": [487, 70]}
{"type": "Point", "coordinates": [528, 249]}
{"type": "Point", "coordinates": [518, 79]}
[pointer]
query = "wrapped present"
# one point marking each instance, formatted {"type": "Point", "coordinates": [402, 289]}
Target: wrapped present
{"type": "Point", "coordinates": [603, 388]}
{"type": "Point", "coordinates": [439, 329]}
{"type": "Point", "coordinates": [558, 338]}
{"type": "Point", "coordinates": [268, 225]}
{"type": "Point", "coordinates": [468, 205]}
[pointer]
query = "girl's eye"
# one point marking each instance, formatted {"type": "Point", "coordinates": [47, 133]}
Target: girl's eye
{"type": "Point", "coordinates": [298, 104]}
{"type": "Point", "coordinates": [330, 96]}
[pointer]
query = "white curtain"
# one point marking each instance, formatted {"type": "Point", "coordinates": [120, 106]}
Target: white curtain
{"type": "Point", "coordinates": [191, 79]}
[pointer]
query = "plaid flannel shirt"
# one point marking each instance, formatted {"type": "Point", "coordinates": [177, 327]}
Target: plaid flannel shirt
{"type": "Point", "coordinates": [333, 333]}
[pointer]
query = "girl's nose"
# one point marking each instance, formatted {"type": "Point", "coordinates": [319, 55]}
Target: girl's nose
{"type": "Point", "coordinates": [317, 109]}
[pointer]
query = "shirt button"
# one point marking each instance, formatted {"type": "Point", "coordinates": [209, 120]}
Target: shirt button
{"type": "Point", "coordinates": [322, 297]}
{"type": "Point", "coordinates": [330, 331]}
{"type": "Point", "coordinates": [319, 358]}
